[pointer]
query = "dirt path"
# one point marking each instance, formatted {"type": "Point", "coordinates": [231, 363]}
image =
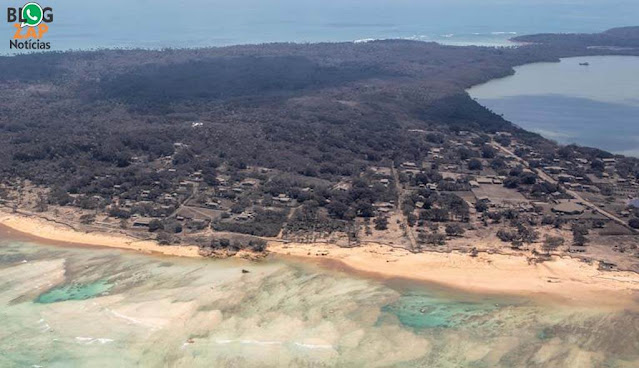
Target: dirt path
{"type": "Point", "coordinates": [400, 201]}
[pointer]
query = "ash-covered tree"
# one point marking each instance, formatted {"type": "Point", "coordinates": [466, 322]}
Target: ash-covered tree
{"type": "Point", "coordinates": [551, 243]}
{"type": "Point", "coordinates": [474, 164]}
{"type": "Point", "coordinates": [579, 232]}
{"type": "Point", "coordinates": [454, 230]}
{"type": "Point", "coordinates": [381, 223]}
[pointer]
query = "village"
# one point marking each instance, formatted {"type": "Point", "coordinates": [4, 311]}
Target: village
{"type": "Point", "coordinates": [470, 192]}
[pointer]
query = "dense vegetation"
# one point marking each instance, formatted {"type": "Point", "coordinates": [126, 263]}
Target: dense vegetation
{"type": "Point", "coordinates": [623, 37]}
{"type": "Point", "coordinates": [93, 126]}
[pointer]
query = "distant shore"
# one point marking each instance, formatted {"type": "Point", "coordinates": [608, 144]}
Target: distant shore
{"type": "Point", "coordinates": [565, 279]}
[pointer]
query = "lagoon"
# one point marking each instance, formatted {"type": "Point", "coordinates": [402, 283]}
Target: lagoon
{"type": "Point", "coordinates": [594, 105]}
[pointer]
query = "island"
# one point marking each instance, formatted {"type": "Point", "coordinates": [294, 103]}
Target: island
{"type": "Point", "coordinates": [370, 154]}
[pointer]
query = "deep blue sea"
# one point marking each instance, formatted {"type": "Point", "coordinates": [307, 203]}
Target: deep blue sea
{"type": "Point", "coordinates": [81, 24]}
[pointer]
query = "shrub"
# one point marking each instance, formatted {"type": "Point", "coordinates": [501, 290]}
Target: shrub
{"type": "Point", "coordinates": [454, 230]}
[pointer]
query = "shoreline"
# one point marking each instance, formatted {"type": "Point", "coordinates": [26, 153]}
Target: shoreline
{"type": "Point", "coordinates": [562, 278]}
{"type": "Point", "coordinates": [40, 229]}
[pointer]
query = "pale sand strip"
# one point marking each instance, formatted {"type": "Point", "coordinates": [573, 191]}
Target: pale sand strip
{"type": "Point", "coordinates": [48, 230]}
{"type": "Point", "coordinates": [561, 278]}
{"type": "Point", "coordinates": [566, 278]}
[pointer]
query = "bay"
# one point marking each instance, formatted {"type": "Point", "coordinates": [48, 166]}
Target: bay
{"type": "Point", "coordinates": [595, 105]}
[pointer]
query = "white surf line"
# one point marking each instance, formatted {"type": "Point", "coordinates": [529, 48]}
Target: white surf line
{"type": "Point", "coordinates": [131, 319]}
{"type": "Point", "coordinates": [249, 342]}
{"type": "Point", "coordinates": [91, 340]}
{"type": "Point", "coordinates": [313, 346]}
{"type": "Point", "coordinates": [44, 326]}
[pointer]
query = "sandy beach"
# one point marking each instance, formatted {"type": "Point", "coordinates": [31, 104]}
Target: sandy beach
{"type": "Point", "coordinates": [52, 232]}
{"type": "Point", "coordinates": [560, 278]}
{"type": "Point", "coordinates": [564, 279]}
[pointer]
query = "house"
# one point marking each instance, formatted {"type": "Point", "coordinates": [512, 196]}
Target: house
{"type": "Point", "coordinates": [142, 222]}
{"type": "Point", "coordinates": [249, 182]}
{"type": "Point", "coordinates": [409, 165]}
{"type": "Point", "coordinates": [591, 188]}
{"type": "Point", "coordinates": [343, 186]}
{"type": "Point", "coordinates": [565, 178]}
{"type": "Point", "coordinates": [245, 216]}
{"type": "Point", "coordinates": [282, 198]}
{"type": "Point", "coordinates": [568, 208]}
{"type": "Point", "coordinates": [554, 169]}
{"type": "Point", "coordinates": [582, 161]}
{"type": "Point", "coordinates": [212, 205]}
{"type": "Point", "coordinates": [573, 186]}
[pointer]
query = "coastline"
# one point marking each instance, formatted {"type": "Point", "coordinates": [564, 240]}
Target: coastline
{"type": "Point", "coordinates": [41, 229]}
{"type": "Point", "coordinates": [562, 278]}
{"type": "Point", "coordinates": [568, 87]}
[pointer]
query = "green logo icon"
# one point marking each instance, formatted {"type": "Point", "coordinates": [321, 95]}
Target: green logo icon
{"type": "Point", "coordinates": [31, 14]}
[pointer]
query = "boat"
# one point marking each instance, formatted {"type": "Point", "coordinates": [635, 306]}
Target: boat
{"type": "Point", "coordinates": [584, 64]}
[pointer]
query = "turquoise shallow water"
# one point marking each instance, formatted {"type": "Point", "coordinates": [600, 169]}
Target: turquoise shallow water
{"type": "Point", "coordinates": [421, 311]}
{"type": "Point", "coordinates": [74, 292]}
{"type": "Point", "coordinates": [74, 307]}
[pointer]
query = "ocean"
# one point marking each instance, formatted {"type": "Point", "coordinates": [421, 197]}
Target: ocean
{"type": "Point", "coordinates": [80, 24]}
{"type": "Point", "coordinates": [81, 307]}
{"type": "Point", "coordinates": [595, 105]}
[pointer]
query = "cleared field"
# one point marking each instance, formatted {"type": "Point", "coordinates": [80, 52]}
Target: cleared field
{"type": "Point", "coordinates": [468, 196]}
{"type": "Point", "coordinates": [498, 194]}
{"type": "Point", "coordinates": [199, 213]}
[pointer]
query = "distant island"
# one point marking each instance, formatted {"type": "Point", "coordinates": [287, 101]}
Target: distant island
{"type": "Point", "coordinates": [235, 150]}
{"type": "Point", "coordinates": [615, 38]}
